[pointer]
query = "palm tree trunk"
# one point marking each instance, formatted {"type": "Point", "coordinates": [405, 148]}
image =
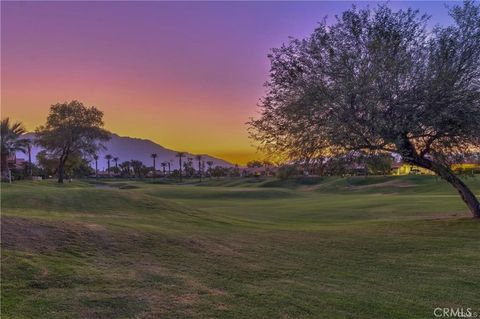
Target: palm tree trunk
{"type": "Point", "coordinates": [4, 162]}
{"type": "Point", "coordinates": [30, 171]}
{"type": "Point", "coordinates": [200, 170]}
{"type": "Point", "coordinates": [180, 161]}
{"type": "Point", "coordinates": [154, 168]}
{"type": "Point", "coordinates": [5, 172]}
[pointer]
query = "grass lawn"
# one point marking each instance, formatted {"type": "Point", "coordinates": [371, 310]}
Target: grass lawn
{"type": "Point", "coordinates": [376, 247]}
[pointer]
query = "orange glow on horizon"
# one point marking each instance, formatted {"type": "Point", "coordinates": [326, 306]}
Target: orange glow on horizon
{"type": "Point", "coordinates": [186, 75]}
{"type": "Point", "coordinates": [193, 132]}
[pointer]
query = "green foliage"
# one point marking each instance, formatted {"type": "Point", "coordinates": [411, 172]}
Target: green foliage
{"type": "Point", "coordinates": [287, 171]}
{"type": "Point", "coordinates": [75, 166]}
{"type": "Point", "coordinates": [219, 171]}
{"type": "Point", "coordinates": [255, 163]}
{"type": "Point", "coordinates": [234, 171]}
{"type": "Point", "coordinates": [341, 165]}
{"type": "Point", "coordinates": [139, 169]}
{"type": "Point", "coordinates": [24, 172]}
{"type": "Point", "coordinates": [71, 130]}
{"type": "Point", "coordinates": [379, 164]}
{"type": "Point", "coordinates": [188, 169]}
{"type": "Point", "coordinates": [11, 142]}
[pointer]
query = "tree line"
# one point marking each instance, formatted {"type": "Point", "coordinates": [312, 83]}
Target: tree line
{"type": "Point", "coordinates": [72, 138]}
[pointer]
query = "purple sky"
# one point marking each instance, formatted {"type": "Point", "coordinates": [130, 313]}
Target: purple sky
{"type": "Point", "coordinates": [187, 75]}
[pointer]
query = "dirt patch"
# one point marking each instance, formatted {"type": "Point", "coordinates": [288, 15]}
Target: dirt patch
{"type": "Point", "coordinates": [35, 235]}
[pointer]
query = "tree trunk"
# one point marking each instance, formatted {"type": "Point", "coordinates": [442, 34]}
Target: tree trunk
{"type": "Point", "coordinates": [30, 168]}
{"type": "Point", "coordinates": [409, 154]}
{"type": "Point", "coordinates": [61, 168]}
{"type": "Point", "coordinates": [4, 164]}
{"type": "Point", "coordinates": [446, 174]}
{"type": "Point", "coordinates": [60, 172]}
{"type": "Point", "coordinates": [180, 162]}
{"type": "Point", "coordinates": [465, 193]}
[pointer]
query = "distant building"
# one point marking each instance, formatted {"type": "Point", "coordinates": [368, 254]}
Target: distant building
{"type": "Point", "coordinates": [259, 171]}
{"type": "Point", "coordinates": [16, 163]}
{"type": "Point", "coordinates": [466, 167]}
{"type": "Point", "coordinates": [401, 168]}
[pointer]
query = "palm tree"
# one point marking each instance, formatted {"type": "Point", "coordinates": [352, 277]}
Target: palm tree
{"type": "Point", "coordinates": [180, 155]}
{"type": "Point", "coordinates": [11, 143]}
{"type": "Point", "coordinates": [125, 167]}
{"type": "Point", "coordinates": [189, 170]}
{"type": "Point", "coordinates": [95, 157]}
{"type": "Point", "coordinates": [29, 148]}
{"type": "Point", "coordinates": [115, 159]}
{"type": "Point", "coordinates": [164, 164]}
{"type": "Point", "coordinates": [108, 157]}
{"type": "Point", "coordinates": [169, 170]}
{"type": "Point", "coordinates": [199, 159]}
{"type": "Point", "coordinates": [137, 167]}
{"type": "Point", "coordinates": [154, 156]}
{"type": "Point", "coordinates": [210, 163]}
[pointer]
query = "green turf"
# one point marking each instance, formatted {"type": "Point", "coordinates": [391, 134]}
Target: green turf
{"type": "Point", "coordinates": [376, 247]}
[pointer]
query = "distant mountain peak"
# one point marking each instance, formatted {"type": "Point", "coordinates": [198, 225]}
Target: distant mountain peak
{"type": "Point", "coordinates": [128, 148]}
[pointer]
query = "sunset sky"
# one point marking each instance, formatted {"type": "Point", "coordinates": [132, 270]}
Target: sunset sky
{"type": "Point", "coordinates": [187, 75]}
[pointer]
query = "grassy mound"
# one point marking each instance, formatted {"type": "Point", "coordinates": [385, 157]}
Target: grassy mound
{"type": "Point", "coordinates": [375, 247]}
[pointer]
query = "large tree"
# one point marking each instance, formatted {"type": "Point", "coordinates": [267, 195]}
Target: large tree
{"type": "Point", "coordinates": [71, 128]}
{"type": "Point", "coordinates": [379, 81]}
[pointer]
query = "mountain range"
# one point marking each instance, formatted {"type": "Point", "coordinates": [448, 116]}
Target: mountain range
{"type": "Point", "coordinates": [130, 148]}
